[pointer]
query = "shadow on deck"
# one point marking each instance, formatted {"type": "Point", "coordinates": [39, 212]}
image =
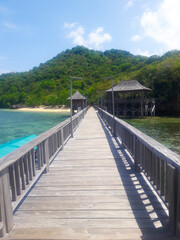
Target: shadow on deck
{"type": "Point", "coordinates": [149, 210]}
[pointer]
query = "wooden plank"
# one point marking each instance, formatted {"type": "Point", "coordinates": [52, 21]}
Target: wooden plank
{"type": "Point", "coordinates": [94, 186]}
{"type": "Point", "coordinates": [92, 223]}
{"type": "Point", "coordinates": [90, 214]}
{"type": "Point", "coordinates": [55, 191]}
{"type": "Point", "coordinates": [56, 203]}
{"type": "Point", "coordinates": [99, 199]}
{"type": "Point", "coordinates": [88, 233]}
{"type": "Point", "coordinates": [90, 181]}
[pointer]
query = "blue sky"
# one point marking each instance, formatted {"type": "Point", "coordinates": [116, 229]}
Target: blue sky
{"type": "Point", "coordinates": [34, 31]}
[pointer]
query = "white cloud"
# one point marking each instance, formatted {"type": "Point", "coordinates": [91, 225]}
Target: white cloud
{"type": "Point", "coordinates": [95, 39]}
{"type": "Point", "coordinates": [77, 36]}
{"type": "Point", "coordinates": [129, 4]}
{"type": "Point", "coordinates": [143, 53]}
{"type": "Point", "coordinates": [162, 25]}
{"type": "Point", "coordinates": [9, 25]}
{"type": "Point", "coordinates": [78, 32]}
{"type": "Point", "coordinates": [136, 38]}
{"type": "Point", "coordinates": [98, 37]}
{"type": "Point", "coordinates": [69, 25]}
{"type": "Point", "coordinates": [148, 53]}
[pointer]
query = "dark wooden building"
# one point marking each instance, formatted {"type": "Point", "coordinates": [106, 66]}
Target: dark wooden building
{"type": "Point", "coordinates": [130, 99]}
{"type": "Point", "coordinates": [79, 102]}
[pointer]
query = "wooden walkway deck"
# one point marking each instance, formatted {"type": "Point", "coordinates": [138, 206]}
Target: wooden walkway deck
{"type": "Point", "coordinates": [91, 192]}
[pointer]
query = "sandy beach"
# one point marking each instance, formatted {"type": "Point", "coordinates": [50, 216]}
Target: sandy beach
{"type": "Point", "coordinates": [43, 109]}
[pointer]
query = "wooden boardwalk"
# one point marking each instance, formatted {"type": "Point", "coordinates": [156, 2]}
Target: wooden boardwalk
{"type": "Point", "coordinates": [91, 192]}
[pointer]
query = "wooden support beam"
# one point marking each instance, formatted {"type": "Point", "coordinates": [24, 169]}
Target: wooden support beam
{"type": "Point", "coordinates": [5, 202]}
{"type": "Point", "coordinates": [172, 196]}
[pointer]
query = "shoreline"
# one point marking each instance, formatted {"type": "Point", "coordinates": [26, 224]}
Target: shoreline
{"type": "Point", "coordinates": [42, 109]}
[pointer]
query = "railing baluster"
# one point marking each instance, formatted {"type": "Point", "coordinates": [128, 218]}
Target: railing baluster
{"type": "Point", "coordinates": [12, 182]}
{"type": "Point", "coordinates": [154, 169]}
{"type": "Point", "coordinates": [33, 162]}
{"type": "Point", "coordinates": [29, 157]}
{"type": "Point", "coordinates": [172, 195]}
{"type": "Point", "coordinates": [5, 202]}
{"type": "Point", "coordinates": [22, 173]}
{"type": "Point", "coordinates": [178, 206]}
{"type": "Point", "coordinates": [158, 173]}
{"type": "Point", "coordinates": [46, 154]}
{"type": "Point", "coordinates": [26, 168]}
{"type": "Point", "coordinates": [41, 153]}
{"type": "Point", "coordinates": [17, 177]}
{"type": "Point", "coordinates": [162, 177]}
{"type": "Point", "coordinates": [39, 157]}
{"type": "Point", "coordinates": [62, 137]}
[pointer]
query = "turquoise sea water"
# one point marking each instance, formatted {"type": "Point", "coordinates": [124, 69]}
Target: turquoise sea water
{"type": "Point", "coordinates": [15, 124]}
{"type": "Point", "coordinates": [165, 130]}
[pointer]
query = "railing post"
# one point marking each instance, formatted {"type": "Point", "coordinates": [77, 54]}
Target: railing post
{"type": "Point", "coordinates": [12, 180]}
{"type": "Point", "coordinates": [178, 207]}
{"type": "Point", "coordinates": [6, 215]}
{"type": "Point", "coordinates": [46, 154]}
{"type": "Point", "coordinates": [62, 138]}
{"type": "Point", "coordinates": [114, 127]}
{"type": "Point", "coordinates": [172, 196]}
{"type": "Point", "coordinates": [135, 146]}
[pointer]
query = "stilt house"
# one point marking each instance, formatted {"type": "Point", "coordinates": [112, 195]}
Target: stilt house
{"type": "Point", "coordinates": [79, 102]}
{"type": "Point", "coordinates": [130, 99]}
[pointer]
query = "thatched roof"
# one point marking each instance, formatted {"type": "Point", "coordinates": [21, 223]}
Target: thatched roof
{"type": "Point", "coordinates": [77, 96]}
{"type": "Point", "coordinates": [129, 86]}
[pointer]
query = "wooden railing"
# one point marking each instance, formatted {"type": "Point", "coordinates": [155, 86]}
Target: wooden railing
{"type": "Point", "coordinates": [160, 165]}
{"type": "Point", "coordinates": [20, 169]}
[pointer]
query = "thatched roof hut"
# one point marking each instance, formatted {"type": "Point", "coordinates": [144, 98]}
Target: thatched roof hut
{"type": "Point", "coordinates": [129, 86]}
{"type": "Point", "coordinates": [78, 101]}
{"type": "Point", "coordinates": [77, 96]}
{"type": "Point", "coordinates": [130, 99]}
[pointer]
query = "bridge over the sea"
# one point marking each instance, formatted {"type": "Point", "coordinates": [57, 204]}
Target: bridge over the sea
{"type": "Point", "coordinates": [109, 181]}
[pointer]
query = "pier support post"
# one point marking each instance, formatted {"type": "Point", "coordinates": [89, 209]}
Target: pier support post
{"type": "Point", "coordinates": [6, 214]}
{"type": "Point", "coordinates": [62, 139]}
{"type": "Point", "coordinates": [178, 207]}
{"type": "Point", "coordinates": [172, 197]}
{"type": "Point", "coordinates": [46, 148]}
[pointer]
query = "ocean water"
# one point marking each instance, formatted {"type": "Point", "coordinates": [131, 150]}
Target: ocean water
{"type": "Point", "coordinates": [15, 124]}
{"type": "Point", "coordinates": [165, 130]}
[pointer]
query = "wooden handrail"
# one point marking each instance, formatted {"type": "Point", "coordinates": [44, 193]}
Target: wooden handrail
{"type": "Point", "coordinates": [160, 164]}
{"type": "Point", "coordinates": [20, 169]}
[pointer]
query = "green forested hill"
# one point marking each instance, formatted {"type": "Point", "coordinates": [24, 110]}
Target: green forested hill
{"type": "Point", "coordinates": [49, 83]}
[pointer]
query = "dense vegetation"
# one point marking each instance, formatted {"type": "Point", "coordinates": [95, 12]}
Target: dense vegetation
{"type": "Point", "coordinates": [49, 83]}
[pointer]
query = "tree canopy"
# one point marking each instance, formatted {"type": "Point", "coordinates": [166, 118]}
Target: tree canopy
{"type": "Point", "coordinates": [49, 84]}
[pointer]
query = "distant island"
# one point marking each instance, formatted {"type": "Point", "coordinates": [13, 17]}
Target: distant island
{"type": "Point", "coordinates": [49, 84]}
